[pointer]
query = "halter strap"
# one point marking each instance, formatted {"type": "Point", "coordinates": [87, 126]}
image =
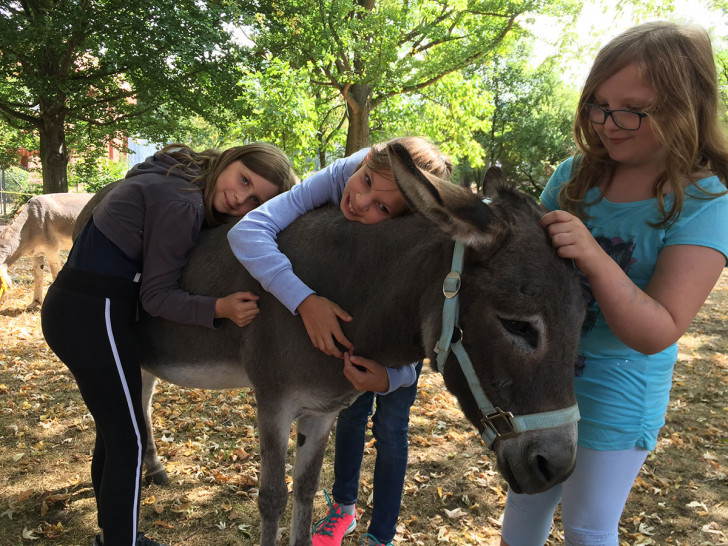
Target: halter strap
{"type": "Point", "coordinates": [498, 424]}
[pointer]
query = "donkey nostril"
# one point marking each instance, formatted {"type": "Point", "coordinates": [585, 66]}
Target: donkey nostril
{"type": "Point", "coordinates": [543, 466]}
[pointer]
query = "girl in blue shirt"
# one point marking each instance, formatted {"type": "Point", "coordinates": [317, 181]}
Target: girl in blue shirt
{"type": "Point", "coordinates": [363, 187]}
{"type": "Point", "coordinates": [642, 211]}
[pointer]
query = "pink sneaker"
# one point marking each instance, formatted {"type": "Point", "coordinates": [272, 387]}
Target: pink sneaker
{"type": "Point", "coordinates": [330, 530]}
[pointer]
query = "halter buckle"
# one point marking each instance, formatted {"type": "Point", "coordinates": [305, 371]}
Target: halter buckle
{"type": "Point", "coordinates": [451, 285]}
{"type": "Point", "coordinates": [502, 418]}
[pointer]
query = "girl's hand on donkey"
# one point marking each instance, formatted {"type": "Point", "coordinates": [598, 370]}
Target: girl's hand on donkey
{"type": "Point", "coordinates": [321, 319]}
{"type": "Point", "coordinates": [240, 307]}
{"type": "Point", "coordinates": [365, 374]}
{"type": "Point", "coordinates": [573, 241]}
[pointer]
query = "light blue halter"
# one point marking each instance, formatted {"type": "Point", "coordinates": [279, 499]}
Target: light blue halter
{"type": "Point", "coordinates": [491, 415]}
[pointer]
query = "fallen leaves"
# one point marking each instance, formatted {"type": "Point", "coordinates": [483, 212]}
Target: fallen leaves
{"type": "Point", "coordinates": [45, 529]}
{"type": "Point", "coordinates": [47, 499]}
{"type": "Point", "coordinates": [715, 530]}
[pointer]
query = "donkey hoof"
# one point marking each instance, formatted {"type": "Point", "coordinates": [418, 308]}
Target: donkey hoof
{"type": "Point", "coordinates": [158, 478]}
{"type": "Point", "coordinates": [35, 304]}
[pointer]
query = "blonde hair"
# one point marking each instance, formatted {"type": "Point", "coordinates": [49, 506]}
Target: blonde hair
{"type": "Point", "coordinates": [264, 159]}
{"type": "Point", "coordinates": [677, 62]}
{"type": "Point", "coordinates": [424, 153]}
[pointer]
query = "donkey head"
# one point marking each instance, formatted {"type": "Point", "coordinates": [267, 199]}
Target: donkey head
{"type": "Point", "coordinates": [521, 310]}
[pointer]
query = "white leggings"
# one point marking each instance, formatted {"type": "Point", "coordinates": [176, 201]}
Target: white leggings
{"type": "Point", "coordinates": [592, 501]}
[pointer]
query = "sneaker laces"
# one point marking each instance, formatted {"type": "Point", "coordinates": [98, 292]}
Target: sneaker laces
{"type": "Point", "coordinates": [325, 525]}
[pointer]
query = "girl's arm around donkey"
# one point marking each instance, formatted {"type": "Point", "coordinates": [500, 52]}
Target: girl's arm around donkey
{"type": "Point", "coordinates": [253, 239]}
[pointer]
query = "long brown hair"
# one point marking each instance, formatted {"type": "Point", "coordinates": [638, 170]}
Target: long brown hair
{"type": "Point", "coordinates": [424, 153]}
{"type": "Point", "coordinates": [264, 159]}
{"type": "Point", "coordinates": [677, 62]}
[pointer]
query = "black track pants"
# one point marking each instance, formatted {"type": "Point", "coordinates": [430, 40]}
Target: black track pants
{"type": "Point", "coordinates": [87, 321]}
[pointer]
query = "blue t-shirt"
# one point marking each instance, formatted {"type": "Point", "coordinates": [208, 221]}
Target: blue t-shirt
{"type": "Point", "coordinates": [623, 394]}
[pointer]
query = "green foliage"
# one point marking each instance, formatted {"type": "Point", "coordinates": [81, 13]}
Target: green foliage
{"type": "Point", "coordinates": [529, 130]}
{"type": "Point", "coordinates": [273, 104]}
{"type": "Point", "coordinates": [19, 182]}
{"type": "Point", "coordinates": [370, 52]}
{"type": "Point", "coordinates": [21, 178]}
{"type": "Point", "coordinates": [95, 68]}
{"type": "Point", "coordinates": [276, 105]}
{"type": "Point", "coordinates": [92, 174]}
{"type": "Point", "coordinates": [17, 188]}
{"type": "Point", "coordinates": [13, 140]}
{"type": "Point", "coordinates": [450, 113]}
{"type": "Point", "coordinates": [456, 71]}
{"type": "Point", "coordinates": [722, 67]}
{"type": "Point", "coordinates": [199, 134]}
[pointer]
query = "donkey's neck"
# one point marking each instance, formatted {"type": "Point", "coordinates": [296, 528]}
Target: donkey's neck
{"type": "Point", "coordinates": [12, 240]}
{"type": "Point", "coordinates": [390, 280]}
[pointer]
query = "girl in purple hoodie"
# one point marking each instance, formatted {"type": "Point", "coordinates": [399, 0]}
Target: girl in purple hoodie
{"type": "Point", "coordinates": [132, 251]}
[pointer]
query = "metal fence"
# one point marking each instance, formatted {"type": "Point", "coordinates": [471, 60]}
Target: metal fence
{"type": "Point", "coordinates": [12, 192]}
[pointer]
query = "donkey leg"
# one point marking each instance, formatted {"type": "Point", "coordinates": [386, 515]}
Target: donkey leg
{"type": "Point", "coordinates": [38, 264]}
{"type": "Point", "coordinates": [274, 430]}
{"type": "Point", "coordinates": [53, 257]}
{"type": "Point", "coordinates": [54, 262]}
{"type": "Point", "coordinates": [312, 435]}
{"type": "Point", "coordinates": [155, 471]}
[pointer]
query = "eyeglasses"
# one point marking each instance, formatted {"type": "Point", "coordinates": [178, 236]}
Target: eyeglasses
{"type": "Point", "coordinates": [624, 119]}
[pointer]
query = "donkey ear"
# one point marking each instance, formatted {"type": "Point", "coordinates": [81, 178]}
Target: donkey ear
{"type": "Point", "coordinates": [455, 210]}
{"type": "Point", "coordinates": [492, 180]}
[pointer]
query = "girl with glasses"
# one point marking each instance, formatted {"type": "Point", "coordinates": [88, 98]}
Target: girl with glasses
{"type": "Point", "coordinates": [642, 211]}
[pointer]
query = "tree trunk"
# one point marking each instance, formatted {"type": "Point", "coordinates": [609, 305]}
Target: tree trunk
{"type": "Point", "coordinates": [357, 106]}
{"type": "Point", "coordinates": [53, 153]}
{"type": "Point", "coordinates": [357, 98]}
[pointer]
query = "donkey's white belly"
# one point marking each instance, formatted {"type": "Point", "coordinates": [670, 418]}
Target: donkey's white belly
{"type": "Point", "coordinates": [210, 375]}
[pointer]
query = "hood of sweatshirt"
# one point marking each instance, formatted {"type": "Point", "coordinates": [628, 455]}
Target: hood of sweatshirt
{"type": "Point", "coordinates": [160, 163]}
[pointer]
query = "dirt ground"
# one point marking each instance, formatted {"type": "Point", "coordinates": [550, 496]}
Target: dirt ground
{"type": "Point", "coordinates": [452, 494]}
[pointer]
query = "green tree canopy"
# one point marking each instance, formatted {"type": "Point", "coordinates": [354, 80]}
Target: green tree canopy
{"type": "Point", "coordinates": [13, 141]}
{"type": "Point", "coordinates": [530, 129]}
{"type": "Point", "coordinates": [368, 51]}
{"type": "Point", "coordinates": [99, 67]}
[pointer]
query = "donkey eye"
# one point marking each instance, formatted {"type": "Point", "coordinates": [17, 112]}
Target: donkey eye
{"type": "Point", "coordinates": [522, 329]}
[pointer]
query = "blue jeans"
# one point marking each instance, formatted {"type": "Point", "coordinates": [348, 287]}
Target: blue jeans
{"type": "Point", "coordinates": [390, 428]}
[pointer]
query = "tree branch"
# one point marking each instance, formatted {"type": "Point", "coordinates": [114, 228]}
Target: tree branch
{"type": "Point", "coordinates": [130, 115]}
{"type": "Point", "coordinates": [327, 23]}
{"type": "Point", "coordinates": [9, 114]}
{"type": "Point", "coordinates": [375, 101]}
